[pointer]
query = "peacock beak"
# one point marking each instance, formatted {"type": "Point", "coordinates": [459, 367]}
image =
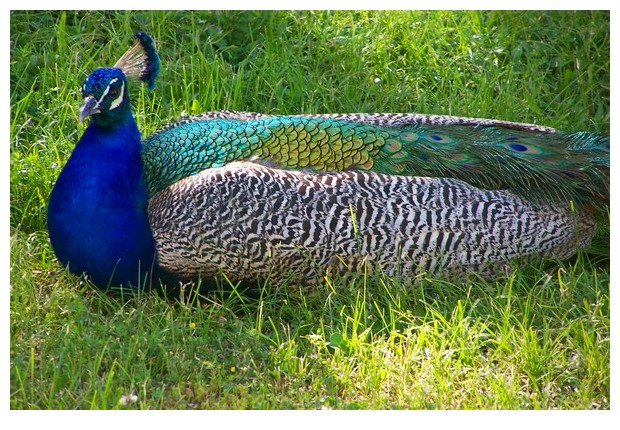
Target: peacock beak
{"type": "Point", "coordinates": [90, 106]}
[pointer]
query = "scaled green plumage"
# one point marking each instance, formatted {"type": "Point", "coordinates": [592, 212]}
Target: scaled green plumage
{"type": "Point", "coordinates": [540, 165]}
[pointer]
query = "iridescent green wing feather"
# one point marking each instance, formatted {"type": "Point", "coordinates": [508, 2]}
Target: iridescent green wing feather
{"type": "Point", "coordinates": [540, 165]}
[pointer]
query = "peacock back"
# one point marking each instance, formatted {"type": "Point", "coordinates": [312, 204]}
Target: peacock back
{"type": "Point", "coordinates": [535, 162]}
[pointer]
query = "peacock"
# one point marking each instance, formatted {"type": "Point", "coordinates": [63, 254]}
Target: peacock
{"type": "Point", "coordinates": [294, 198]}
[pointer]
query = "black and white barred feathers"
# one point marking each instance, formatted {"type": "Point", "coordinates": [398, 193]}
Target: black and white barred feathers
{"type": "Point", "coordinates": [250, 221]}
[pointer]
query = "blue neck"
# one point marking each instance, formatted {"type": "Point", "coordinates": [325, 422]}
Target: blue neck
{"type": "Point", "coordinates": [97, 213]}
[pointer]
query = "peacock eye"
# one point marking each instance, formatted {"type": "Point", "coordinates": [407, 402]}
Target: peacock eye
{"type": "Point", "coordinates": [114, 92]}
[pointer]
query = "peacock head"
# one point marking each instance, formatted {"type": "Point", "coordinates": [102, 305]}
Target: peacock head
{"type": "Point", "coordinates": [105, 96]}
{"type": "Point", "coordinates": [105, 93]}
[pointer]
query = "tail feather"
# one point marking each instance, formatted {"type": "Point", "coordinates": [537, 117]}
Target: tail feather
{"type": "Point", "coordinates": [537, 163]}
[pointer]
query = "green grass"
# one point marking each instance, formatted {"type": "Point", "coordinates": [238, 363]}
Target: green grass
{"type": "Point", "coordinates": [536, 340]}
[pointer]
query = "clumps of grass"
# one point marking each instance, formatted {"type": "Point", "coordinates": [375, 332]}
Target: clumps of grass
{"type": "Point", "coordinates": [371, 343]}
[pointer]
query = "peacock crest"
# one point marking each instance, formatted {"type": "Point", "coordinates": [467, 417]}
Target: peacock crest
{"type": "Point", "coordinates": [141, 61]}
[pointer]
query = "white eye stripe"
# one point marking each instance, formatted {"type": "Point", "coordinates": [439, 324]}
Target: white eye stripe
{"type": "Point", "coordinates": [107, 90]}
{"type": "Point", "coordinates": [117, 101]}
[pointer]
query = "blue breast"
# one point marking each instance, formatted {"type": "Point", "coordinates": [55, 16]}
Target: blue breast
{"type": "Point", "coordinates": [97, 213]}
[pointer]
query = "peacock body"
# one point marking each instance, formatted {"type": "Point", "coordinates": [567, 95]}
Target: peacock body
{"type": "Point", "coordinates": [254, 196]}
